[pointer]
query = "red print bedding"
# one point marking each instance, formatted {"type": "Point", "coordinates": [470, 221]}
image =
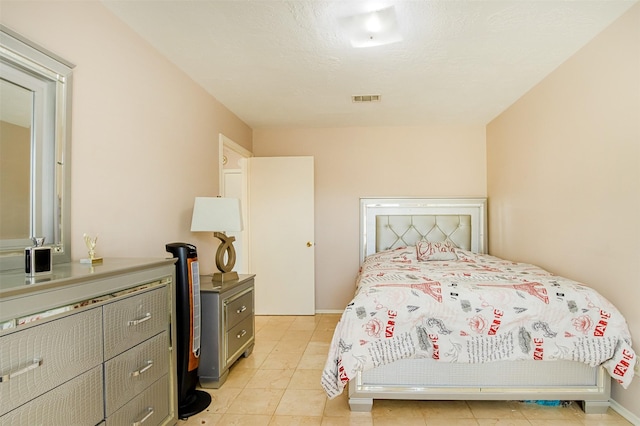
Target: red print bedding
{"type": "Point", "coordinates": [471, 308]}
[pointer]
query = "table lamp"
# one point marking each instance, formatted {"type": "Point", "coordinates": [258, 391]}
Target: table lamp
{"type": "Point", "coordinates": [219, 215]}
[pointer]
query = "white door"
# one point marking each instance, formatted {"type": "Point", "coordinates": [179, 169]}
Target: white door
{"type": "Point", "coordinates": [281, 237]}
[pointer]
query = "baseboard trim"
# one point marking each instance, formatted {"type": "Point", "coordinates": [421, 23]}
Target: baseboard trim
{"type": "Point", "coordinates": [329, 311]}
{"type": "Point", "coordinates": [628, 415]}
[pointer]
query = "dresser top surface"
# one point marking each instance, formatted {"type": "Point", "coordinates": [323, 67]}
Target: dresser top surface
{"type": "Point", "coordinates": [15, 282]}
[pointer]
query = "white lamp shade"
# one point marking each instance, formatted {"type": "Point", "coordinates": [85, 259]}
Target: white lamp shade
{"type": "Point", "coordinates": [215, 214]}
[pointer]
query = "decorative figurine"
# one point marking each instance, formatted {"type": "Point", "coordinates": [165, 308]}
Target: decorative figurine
{"type": "Point", "coordinates": [91, 247]}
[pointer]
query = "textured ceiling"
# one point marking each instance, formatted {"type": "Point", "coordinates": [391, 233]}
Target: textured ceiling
{"type": "Point", "coordinates": [287, 63]}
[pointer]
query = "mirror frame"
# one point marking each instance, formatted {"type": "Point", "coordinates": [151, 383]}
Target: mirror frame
{"type": "Point", "coordinates": [21, 54]}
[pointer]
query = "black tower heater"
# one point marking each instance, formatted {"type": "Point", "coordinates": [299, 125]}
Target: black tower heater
{"type": "Point", "coordinates": [190, 400]}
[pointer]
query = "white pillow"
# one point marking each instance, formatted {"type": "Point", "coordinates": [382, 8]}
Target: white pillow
{"type": "Point", "coordinates": [426, 250]}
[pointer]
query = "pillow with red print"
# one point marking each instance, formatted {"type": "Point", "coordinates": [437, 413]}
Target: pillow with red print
{"type": "Point", "coordinates": [443, 250]}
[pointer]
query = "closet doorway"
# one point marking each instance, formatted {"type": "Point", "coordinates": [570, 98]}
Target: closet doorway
{"type": "Point", "coordinates": [277, 244]}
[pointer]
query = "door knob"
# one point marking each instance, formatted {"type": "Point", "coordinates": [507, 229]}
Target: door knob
{"type": "Point", "coordinates": [309, 244]}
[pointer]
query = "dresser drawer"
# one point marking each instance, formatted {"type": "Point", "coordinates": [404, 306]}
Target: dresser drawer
{"type": "Point", "coordinates": [237, 337]}
{"type": "Point", "coordinates": [37, 359]}
{"type": "Point", "coordinates": [76, 402]}
{"type": "Point", "coordinates": [238, 307]}
{"type": "Point", "coordinates": [130, 321]}
{"type": "Point", "coordinates": [151, 407]}
{"type": "Point", "coordinates": [134, 370]}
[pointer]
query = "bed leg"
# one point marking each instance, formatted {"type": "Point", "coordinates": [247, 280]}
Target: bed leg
{"type": "Point", "coordinates": [361, 404]}
{"type": "Point", "coordinates": [595, 407]}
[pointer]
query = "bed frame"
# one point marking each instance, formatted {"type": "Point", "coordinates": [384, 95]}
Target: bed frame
{"type": "Point", "coordinates": [395, 222]}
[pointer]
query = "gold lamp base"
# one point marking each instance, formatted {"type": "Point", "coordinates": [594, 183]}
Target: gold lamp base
{"type": "Point", "coordinates": [225, 266]}
{"type": "Point", "coordinates": [223, 277]}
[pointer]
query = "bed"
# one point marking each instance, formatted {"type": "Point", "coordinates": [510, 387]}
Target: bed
{"type": "Point", "coordinates": [436, 318]}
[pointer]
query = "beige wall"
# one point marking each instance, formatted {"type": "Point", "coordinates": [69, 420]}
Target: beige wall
{"type": "Point", "coordinates": [351, 163]}
{"type": "Point", "coordinates": [15, 180]}
{"type": "Point", "coordinates": [563, 176]}
{"type": "Point", "coordinates": [145, 136]}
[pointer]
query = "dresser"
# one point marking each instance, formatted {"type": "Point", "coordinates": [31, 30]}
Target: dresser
{"type": "Point", "coordinates": [88, 345]}
{"type": "Point", "coordinates": [228, 326]}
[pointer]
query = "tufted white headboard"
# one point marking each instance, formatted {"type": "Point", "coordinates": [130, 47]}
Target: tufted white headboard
{"type": "Point", "coordinates": [395, 222]}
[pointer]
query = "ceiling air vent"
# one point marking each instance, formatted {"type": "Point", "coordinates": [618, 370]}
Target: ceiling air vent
{"type": "Point", "coordinates": [365, 98]}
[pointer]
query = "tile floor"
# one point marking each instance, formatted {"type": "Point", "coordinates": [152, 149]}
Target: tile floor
{"type": "Point", "coordinates": [279, 384]}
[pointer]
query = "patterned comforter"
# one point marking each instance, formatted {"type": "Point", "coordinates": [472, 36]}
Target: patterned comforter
{"type": "Point", "coordinates": [477, 309]}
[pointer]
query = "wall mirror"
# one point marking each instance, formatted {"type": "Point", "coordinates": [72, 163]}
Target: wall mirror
{"type": "Point", "coordinates": [35, 150]}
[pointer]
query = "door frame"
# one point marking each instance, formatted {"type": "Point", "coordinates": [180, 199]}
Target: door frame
{"type": "Point", "coordinates": [226, 143]}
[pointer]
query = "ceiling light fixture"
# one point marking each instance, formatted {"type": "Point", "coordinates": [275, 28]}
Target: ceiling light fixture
{"type": "Point", "coordinates": [373, 24]}
{"type": "Point", "coordinates": [375, 28]}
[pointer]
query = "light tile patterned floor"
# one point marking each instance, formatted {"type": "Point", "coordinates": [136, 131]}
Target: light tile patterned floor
{"type": "Point", "coordinates": [279, 384]}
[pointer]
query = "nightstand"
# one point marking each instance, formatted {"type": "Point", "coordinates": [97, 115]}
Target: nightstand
{"type": "Point", "coordinates": [227, 325]}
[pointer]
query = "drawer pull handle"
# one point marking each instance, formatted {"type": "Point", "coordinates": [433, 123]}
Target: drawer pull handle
{"type": "Point", "coordinates": [241, 334]}
{"type": "Point", "coordinates": [143, 369]}
{"type": "Point", "coordinates": [241, 309]}
{"type": "Point", "coordinates": [35, 364]}
{"type": "Point", "coordinates": [147, 317]}
{"type": "Point", "coordinates": [145, 418]}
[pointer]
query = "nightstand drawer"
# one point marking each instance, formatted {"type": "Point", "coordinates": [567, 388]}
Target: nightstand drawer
{"type": "Point", "coordinates": [37, 359]}
{"type": "Point", "coordinates": [132, 320]}
{"type": "Point", "coordinates": [134, 370]}
{"type": "Point", "coordinates": [148, 408]}
{"type": "Point", "coordinates": [238, 336]}
{"type": "Point", "coordinates": [238, 307]}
